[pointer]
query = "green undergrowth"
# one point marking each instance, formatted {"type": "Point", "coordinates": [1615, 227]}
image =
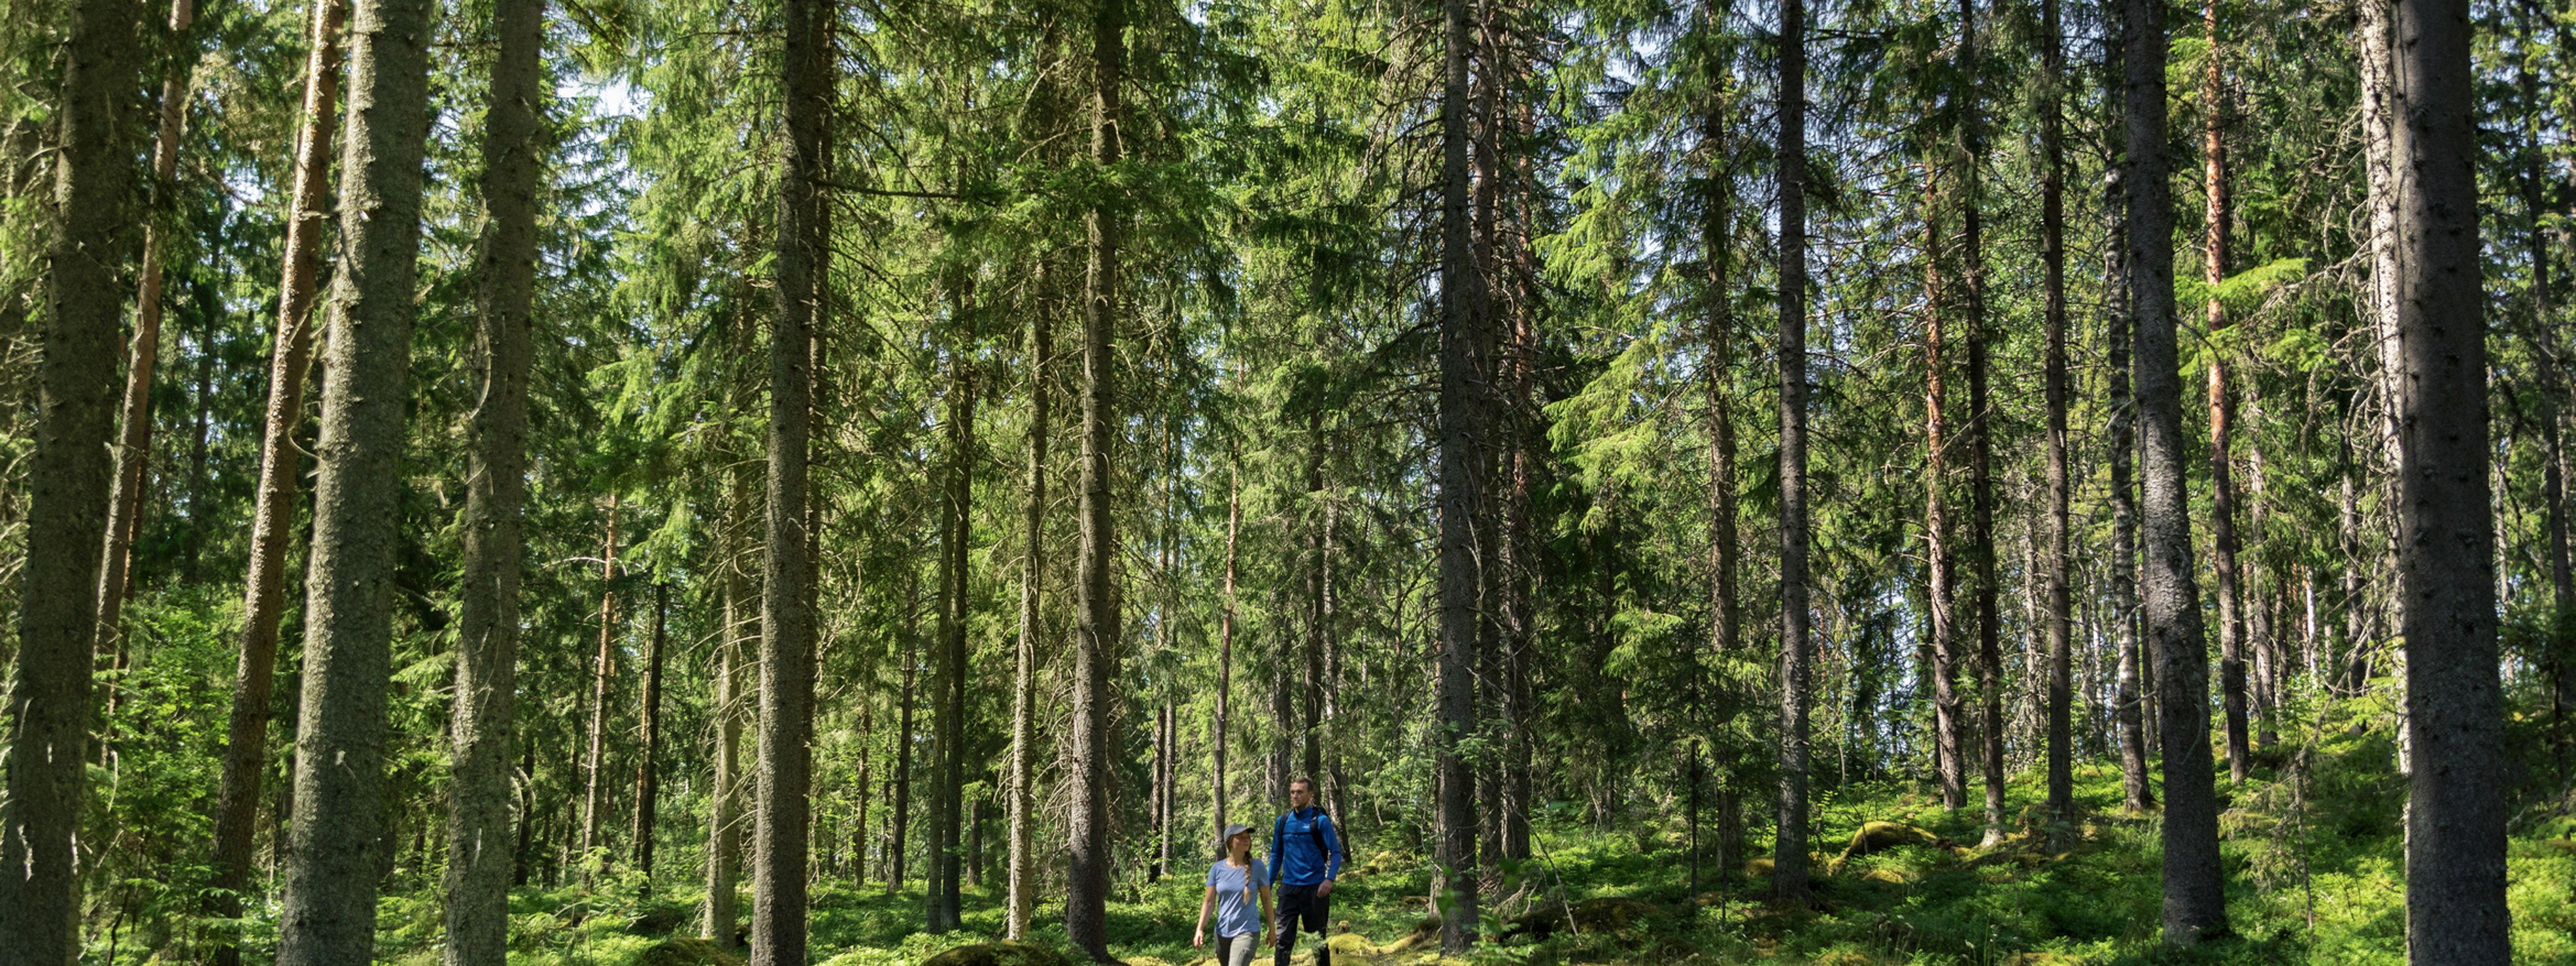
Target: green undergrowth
{"type": "Point", "coordinates": [2311, 849]}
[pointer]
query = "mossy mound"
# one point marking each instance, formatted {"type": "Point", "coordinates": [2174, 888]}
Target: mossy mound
{"type": "Point", "coordinates": [1610, 914]}
{"type": "Point", "coordinates": [686, 951]}
{"type": "Point", "coordinates": [658, 919]}
{"type": "Point", "coordinates": [1880, 836]}
{"type": "Point", "coordinates": [1005, 953]}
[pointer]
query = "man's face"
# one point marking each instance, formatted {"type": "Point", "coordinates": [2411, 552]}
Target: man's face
{"type": "Point", "coordinates": [1300, 795]}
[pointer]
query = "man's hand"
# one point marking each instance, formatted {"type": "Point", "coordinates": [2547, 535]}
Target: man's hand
{"type": "Point", "coordinates": [1324, 891]}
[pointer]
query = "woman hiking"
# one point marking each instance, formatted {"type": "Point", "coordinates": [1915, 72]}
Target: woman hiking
{"type": "Point", "coordinates": [1231, 883]}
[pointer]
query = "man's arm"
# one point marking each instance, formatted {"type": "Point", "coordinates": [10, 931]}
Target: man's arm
{"type": "Point", "coordinates": [1278, 859]}
{"type": "Point", "coordinates": [1332, 847]}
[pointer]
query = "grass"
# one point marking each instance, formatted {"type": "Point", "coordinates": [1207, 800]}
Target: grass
{"type": "Point", "coordinates": [2312, 871]}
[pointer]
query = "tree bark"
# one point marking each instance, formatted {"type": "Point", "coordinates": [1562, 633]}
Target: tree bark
{"type": "Point", "coordinates": [1022, 906]}
{"type": "Point", "coordinates": [1726, 553]}
{"type": "Point", "coordinates": [1217, 726]}
{"type": "Point", "coordinates": [1981, 446]}
{"type": "Point", "coordinates": [333, 859]}
{"type": "Point", "coordinates": [1096, 633]}
{"type": "Point", "coordinates": [51, 693]}
{"type": "Point", "coordinates": [602, 676]}
{"type": "Point", "coordinates": [2136, 744]}
{"type": "Point", "coordinates": [950, 759]}
{"type": "Point", "coordinates": [802, 271]}
{"type": "Point", "coordinates": [2222, 408]}
{"type": "Point", "coordinates": [648, 774]}
{"type": "Point", "coordinates": [2195, 900]}
{"type": "Point", "coordinates": [264, 593]}
{"type": "Point", "coordinates": [2561, 648]}
{"type": "Point", "coordinates": [1789, 862]}
{"type": "Point", "coordinates": [483, 731]}
{"type": "Point", "coordinates": [724, 823]}
{"type": "Point", "coordinates": [1948, 723]}
{"type": "Point", "coordinates": [904, 731]}
{"type": "Point", "coordinates": [143, 351]}
{"type": "Point", "coordinates": [2061, 559]}
{"type": "Point", "coordinates": [2456, 805]}
{"type": "Point", "coordinates": [1464, 368]}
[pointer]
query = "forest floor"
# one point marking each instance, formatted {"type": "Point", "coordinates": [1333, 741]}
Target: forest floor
{"type": "Point", "coordinates": [2312, 858]}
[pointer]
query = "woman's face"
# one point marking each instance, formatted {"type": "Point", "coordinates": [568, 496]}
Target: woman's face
{"type": "Point", "coordinates": [1241, 842]}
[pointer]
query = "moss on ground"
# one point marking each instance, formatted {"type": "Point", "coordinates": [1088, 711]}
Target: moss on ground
{"type": "Point", "coordinates": [2312, 857]}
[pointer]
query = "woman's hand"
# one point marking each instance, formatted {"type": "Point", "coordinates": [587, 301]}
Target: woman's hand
{"type": "Point", "coordinates": [1198, 940]}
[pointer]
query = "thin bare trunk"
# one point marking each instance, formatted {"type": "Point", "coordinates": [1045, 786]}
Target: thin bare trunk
{"type": "Point", "coordinates": [1948, 722]}
{"type": "Point", "coordinates": [648, 777]}
{"type": "Point", "coordinates": [143, 355]}
{"type": "Point", "coordinates": [1789, 862]}
{"type": "Point", "coordinates": [1022, 906]}
{"type": "Point", "coordinates": [2222, 408]}
{"type": "Point", "coordinates": [603, 671]}
{"type": "Point", "coordinates": [264, 593]}
{"type": "Point", "coordinates": [2061, 559]}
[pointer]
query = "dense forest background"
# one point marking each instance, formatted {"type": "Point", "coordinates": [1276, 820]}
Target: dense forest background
{"type": "Point", "coordinates": [860, 478]}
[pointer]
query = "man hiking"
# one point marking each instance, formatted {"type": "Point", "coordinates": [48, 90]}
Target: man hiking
{"type": "Point", "coordinates": [1307, 853]}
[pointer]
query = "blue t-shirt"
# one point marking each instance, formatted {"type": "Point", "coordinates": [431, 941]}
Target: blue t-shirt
{"type": "Point", "coordinates": [1236, 912]}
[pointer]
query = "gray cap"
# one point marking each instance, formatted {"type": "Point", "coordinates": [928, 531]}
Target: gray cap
{"type": "Point", "coordinates": [1231, 831]}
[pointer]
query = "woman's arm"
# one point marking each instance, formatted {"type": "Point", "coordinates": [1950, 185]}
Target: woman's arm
{"type": "Point", "coordinates": [1207, 903]}
{"type": "Point", "coordinates": [1268, 924]}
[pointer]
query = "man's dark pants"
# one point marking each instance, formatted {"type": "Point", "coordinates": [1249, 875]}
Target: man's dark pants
{"type": "Point", "coordinates": [1300, 904]}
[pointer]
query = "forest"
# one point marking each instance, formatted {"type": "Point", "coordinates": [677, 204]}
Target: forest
{"type": "Point", "coordinates": [1675, 481]}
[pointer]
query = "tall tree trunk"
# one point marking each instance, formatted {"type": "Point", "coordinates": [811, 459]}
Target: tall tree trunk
{"type": "Point", "coordinates": [2353, 671]}
{"type": "Point", "coordinates": [2061, 560]}
{"type": "Point", "coordinates": [2222, 407]}
{"type": "Point", "coordinates": [1310, 691]}
{"type": "Point", "coordinates": [333, 859]}
{"type": "Point", "coordinates": [2195, 899]}
{"type": "Point", "coordinates": [1949, 726]}
{"type": "Point", "coordinates": [2562, 595]}
{"type": "Point", "coordinates": [264, 593]}
{"type": "Point", "coordinates": [1463, 368]}
{"type": "Point", "coordinates": [603, 675]}
{"type": "Point", "coordinates": [1981, 437]}
{"type": "Point", "coordinates": [1022, 906]}
{"type": "Point", "coordinates": [1789, 844]}
{"type": "Point", "coordinates": [143, 351]}
{"type": "Point", "coordinates": [2136, 744]}
{"type": "Point", "coordinates": [523, 859]}
{"type": "Point", "coordinates": [1217, 726]}
{"type": "Point", "coordinates": [483, 730]}
{"type": "Point", "coordinates": [2561, 649]}
{"type": "Point", "coordinates": [50, 695]}
{"type": "Point", "coordinates": [2456, 804]}
{"type": "Point", "coordinates": [904, 731]}
{"type": "Point", "coordinates": [724, 823]}
{"type": "Point", "coordinates": [950, 801]}
{"type": "Point", "coordinates": [648, 775]}
{"type": "Point", "coordinates": [859, 797]}
{"type": "Point", "coordinates": [1726, 554]}
{"type": "Point", "coordinates": [1096, 634]}
{"type": "Point", "coordinates": [802, 272]}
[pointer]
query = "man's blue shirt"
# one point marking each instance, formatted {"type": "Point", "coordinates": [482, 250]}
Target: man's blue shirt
{"type": "Point", "coordinates": [1292, 844]}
